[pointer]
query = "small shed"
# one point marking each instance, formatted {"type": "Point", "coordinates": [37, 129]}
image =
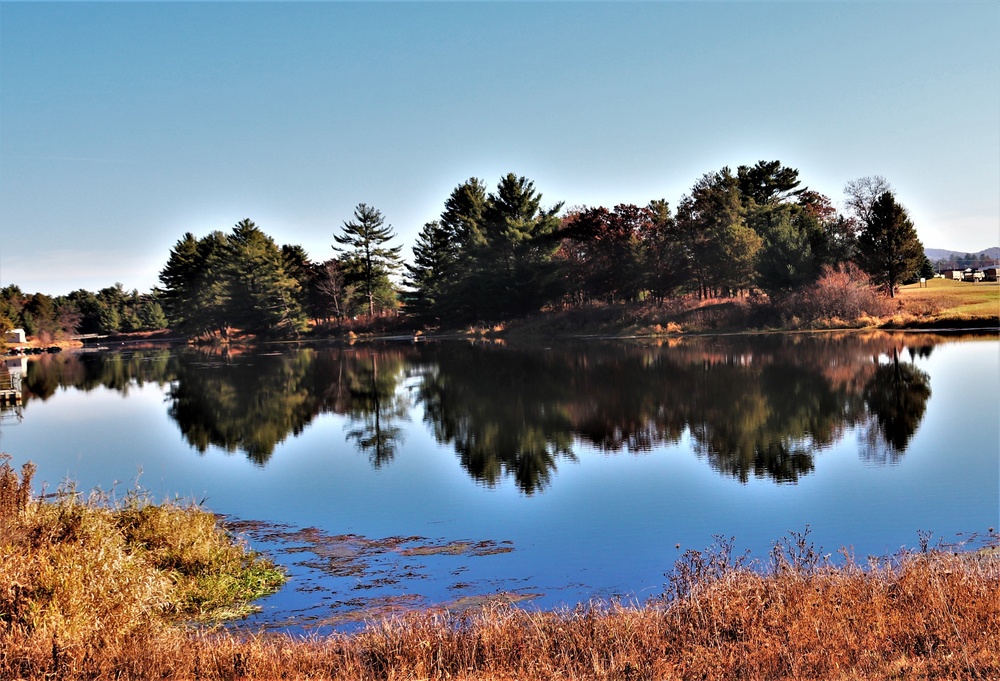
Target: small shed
{"type": "Point", "coordinates": [15, 337]}
{"type": "Point", "coordinates": [991, 273]}
{"type": "Point", "coordinates": [953, 274]}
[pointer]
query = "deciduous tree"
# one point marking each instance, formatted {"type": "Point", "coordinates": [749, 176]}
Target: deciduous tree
{"type": "Point", "coordinates": [607, 250]}
{"type": "Point", "coordinates": [332, 292]}
{"type": "Point", "coordinates": [861, 194]}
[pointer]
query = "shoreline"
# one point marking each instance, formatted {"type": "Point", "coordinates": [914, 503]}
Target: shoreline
{"type": "Point", "coordinates": [720, 616]}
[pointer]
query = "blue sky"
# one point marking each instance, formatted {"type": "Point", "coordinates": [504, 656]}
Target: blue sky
{"type": "Point", "coordinates": [124, 125]}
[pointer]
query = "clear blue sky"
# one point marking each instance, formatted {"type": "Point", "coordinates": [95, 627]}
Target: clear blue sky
{"type": "Point", "coordinates": [124, 125]}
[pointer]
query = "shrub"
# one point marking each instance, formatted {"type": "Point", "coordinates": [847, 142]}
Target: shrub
{"type": "Point", "coordinates": [843, 293]}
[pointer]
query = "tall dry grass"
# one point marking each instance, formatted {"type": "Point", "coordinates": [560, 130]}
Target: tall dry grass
{"type": "Point", "coordinates": [933, 613]}
{"type": "Point", "coordinates": [81, 578]}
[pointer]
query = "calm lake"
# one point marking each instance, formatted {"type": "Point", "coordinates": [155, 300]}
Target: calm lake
{"type": "Point", "coordinates": [398, 475]}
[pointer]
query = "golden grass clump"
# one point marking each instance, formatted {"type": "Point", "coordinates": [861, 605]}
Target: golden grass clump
{"type": "Point", "coordinates": [91, 576]}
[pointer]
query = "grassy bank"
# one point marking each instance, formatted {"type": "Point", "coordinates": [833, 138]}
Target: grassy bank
{"type": "Point", "coordinates": [939, 304]}
{"type": "Point", "coordinates": [945, 300]}
{"type": "Point", "coordinates": [92, 577]}
{"type": "Point", "coordinates": [109, 590]}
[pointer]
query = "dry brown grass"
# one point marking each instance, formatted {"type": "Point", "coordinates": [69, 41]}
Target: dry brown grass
{"type": "Point", "coordinates": [83, 579]}
{"type": "Point", "coordinates": [928, 614]}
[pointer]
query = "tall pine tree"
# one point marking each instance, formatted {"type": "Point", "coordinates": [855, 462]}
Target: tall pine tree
{"type": "Point", "coordinates": [434, 270]}
{"type": "Point", "coordinates": [264, 297]}
{"type": "Point", "coordinates": [368, 261]}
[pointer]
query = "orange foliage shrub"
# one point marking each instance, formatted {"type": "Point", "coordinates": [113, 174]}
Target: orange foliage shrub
{"type": "Point", "coordinates": [841, 294]}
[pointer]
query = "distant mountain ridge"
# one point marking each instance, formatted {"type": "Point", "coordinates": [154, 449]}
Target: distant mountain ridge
{"type": "Point", "coordinates": [934, 254]}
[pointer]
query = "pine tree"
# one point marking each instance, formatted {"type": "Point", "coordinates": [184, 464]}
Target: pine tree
{"type": "Point", "coordinates": [264, 298]}
{"type": "Point", "coordinates": [888, 248]}
{"type": "Point", "coordinates": [462, 223]}
{"type": "Point", "coordinates": [368, 262]}
{"type": "Point", "coordinates": [719, 250]}
{"type": "Point", "coordinates": [433, 272]}
{"type": "Point", "coordinates": [512, 269]}
{"type": "Point", "coordinates": [195, 285]}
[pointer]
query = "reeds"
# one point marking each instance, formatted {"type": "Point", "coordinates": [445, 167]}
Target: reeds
{"type": "Point", "coordinates": [933, 613]}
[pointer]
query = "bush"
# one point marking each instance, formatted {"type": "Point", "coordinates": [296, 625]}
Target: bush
{"type": "Point", "coordinates": [843, 293]}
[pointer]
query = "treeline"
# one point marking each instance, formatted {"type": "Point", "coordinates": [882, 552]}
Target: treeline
{"type": "Point", "coordinates": [496, 255]}
{"type": "Point", "coordinates": [961, 262]}
{"type": "Point", "coordinates": [499, 254]}
{"type": "Point", "coordinates": [110, 310]}
{"type": "Point", "coordinates": [244, 281]}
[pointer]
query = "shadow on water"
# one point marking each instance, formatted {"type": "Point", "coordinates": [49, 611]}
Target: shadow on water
{"type": "Point", "coordinates": [752, 406]}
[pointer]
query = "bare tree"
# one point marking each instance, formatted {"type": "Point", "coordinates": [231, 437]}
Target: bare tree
{"type": "Point", "coordinates": [331, 288]}
{"type": "Point", "coordinates": [862, 193]}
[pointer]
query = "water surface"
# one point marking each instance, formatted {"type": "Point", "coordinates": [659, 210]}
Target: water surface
{"type": "Point", "coordinates": [398, 475]}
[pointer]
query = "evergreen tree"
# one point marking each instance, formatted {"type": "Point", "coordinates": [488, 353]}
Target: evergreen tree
{"type": "Point", "coordinates": [512, 269]}
{"type": "Point", "coordinates": [222, 281]}
{"type": "Point", "coordinates": [297, 265]}
{"type": "Point", "coordinates": [926, 270]}
{"type": "Point", "coordinates": [433, 272]}
{"type": "Point", "coordinates": [717, 247]}
{"type": "Point", "coordinates": [180, 279]}
{"type": "Point", "coordinates": [151, 314]}
{"type": "Point", "coordinates": [89, 308]}
{"type": "Point", "coordinates": [888, 247]}
{"type": "Point", "coordinates": [368, 261]}
{"type": "Point", "coordinates": [11, 304]}
{"type": "Point", "coordinates": [262, 295]}
{"type": "Point", "coordinates": [663, 267]}
{"type": "Point", "coordinates": [39, 315]}
{"type": "Point", "coordinates": [768, 182]}
{"type": "Point", "coordinates": [462, 225]}
{"type": "Point", "coordinates": [462, 217]}
{"type": "Point", "coordinates": [793, 245]}
{"type": "Point", "coordinates": [195, 285]}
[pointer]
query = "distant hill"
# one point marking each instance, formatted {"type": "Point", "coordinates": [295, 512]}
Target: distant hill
{"type": "Point", "coordinates": [935, 254]}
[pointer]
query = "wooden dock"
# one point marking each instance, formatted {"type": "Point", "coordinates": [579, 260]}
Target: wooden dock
{"type": "Point", "coordinates": [10, 391]}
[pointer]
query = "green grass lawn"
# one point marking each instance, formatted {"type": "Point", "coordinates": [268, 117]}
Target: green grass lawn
{"type": "Point", "coordinates": [952, 299]}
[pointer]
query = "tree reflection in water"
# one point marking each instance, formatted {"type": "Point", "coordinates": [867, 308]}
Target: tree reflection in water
{"type": "Point", "coordinates": [376, 405]}
{"type": "Point", "coordinates": [504, 411]}
{"type": "Point", "coordinates": [753, 407]}
{"type": "Point", "coordinates": [896, 397]}
{"type": "Point", "coordinates": [241, 403]}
